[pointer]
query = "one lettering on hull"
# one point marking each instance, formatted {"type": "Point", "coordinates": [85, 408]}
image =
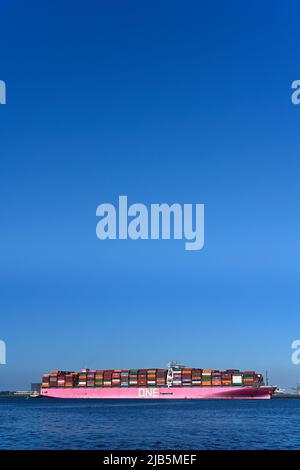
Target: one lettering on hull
{"type": "Point", "coordinates": [148, 393]}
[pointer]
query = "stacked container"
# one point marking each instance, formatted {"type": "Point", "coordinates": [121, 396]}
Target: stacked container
{"type": "Point", "coordinates": [161, 376]}
{"type": "Point", "coordinates": [133, 377]}
{"type": "Point", "coordinates": [226, 378]}
{"type": "Point", "coordinates": [90, 378]}
{"type": "Point", "coordinates": [61, 379]}
{"type": "Point", "coordinates": [142, 378]}
{"type": "Point", "coordinates": [206, 377]}
{"type": "Point", "coordinates": [46, 381]}
{"type": "Point", "coordinates": [196, 377]}
{"type": "Point", "coordinates": [69, 379]}
{"type": "Point", "coordinates": [116, 378]}
{"type": "Point", "coordinates": [177, 378]}
{"type": "Point", "coordinates": [82, 379]}
{"type": "Point", "coordinates": [151, 377]}
{"type": "Point", "coordinates": [216, 378]}
{"type": "Point", "coordinates": [249, 377]}
{"type": "Point", "coordinates": [75, 379]}
{"type": "Point", "coordinates": [125, 378]}
{"type": "Point", "coordinates": [187, 377]}
{"type": "Point", "coordinates": [99, 378]}
{"type": "Point", "coordinates": [107, 378]}
{"type": "Point", "coordinates": [53, 381]}
{"type": "Point", "coordinates": [53, 378]}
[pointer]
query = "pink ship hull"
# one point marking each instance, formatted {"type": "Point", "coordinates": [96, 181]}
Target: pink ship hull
{"type": "Point", "coordinates": [263, 392]}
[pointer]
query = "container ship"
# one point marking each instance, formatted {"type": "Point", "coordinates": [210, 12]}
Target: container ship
{"type": "Point", "coordinates": [175, 382]}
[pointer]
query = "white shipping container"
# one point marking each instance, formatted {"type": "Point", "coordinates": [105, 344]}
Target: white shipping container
{"type": "Point", "coordinates": [237, 379]}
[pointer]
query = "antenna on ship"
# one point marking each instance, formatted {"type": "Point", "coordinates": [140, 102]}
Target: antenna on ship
{"type": "Point", "coordinates": [267, 377]}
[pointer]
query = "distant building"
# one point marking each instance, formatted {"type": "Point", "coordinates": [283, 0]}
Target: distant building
{"type": "Point", "coordinates": [35, 387]}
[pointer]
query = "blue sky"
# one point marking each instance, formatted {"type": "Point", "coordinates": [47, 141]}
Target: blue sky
{"type": "Point", "coordinates": [164, 102]}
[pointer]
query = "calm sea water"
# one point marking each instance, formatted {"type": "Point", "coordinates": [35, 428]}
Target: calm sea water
{"type": "Point", "coordinates": [97, 424]}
